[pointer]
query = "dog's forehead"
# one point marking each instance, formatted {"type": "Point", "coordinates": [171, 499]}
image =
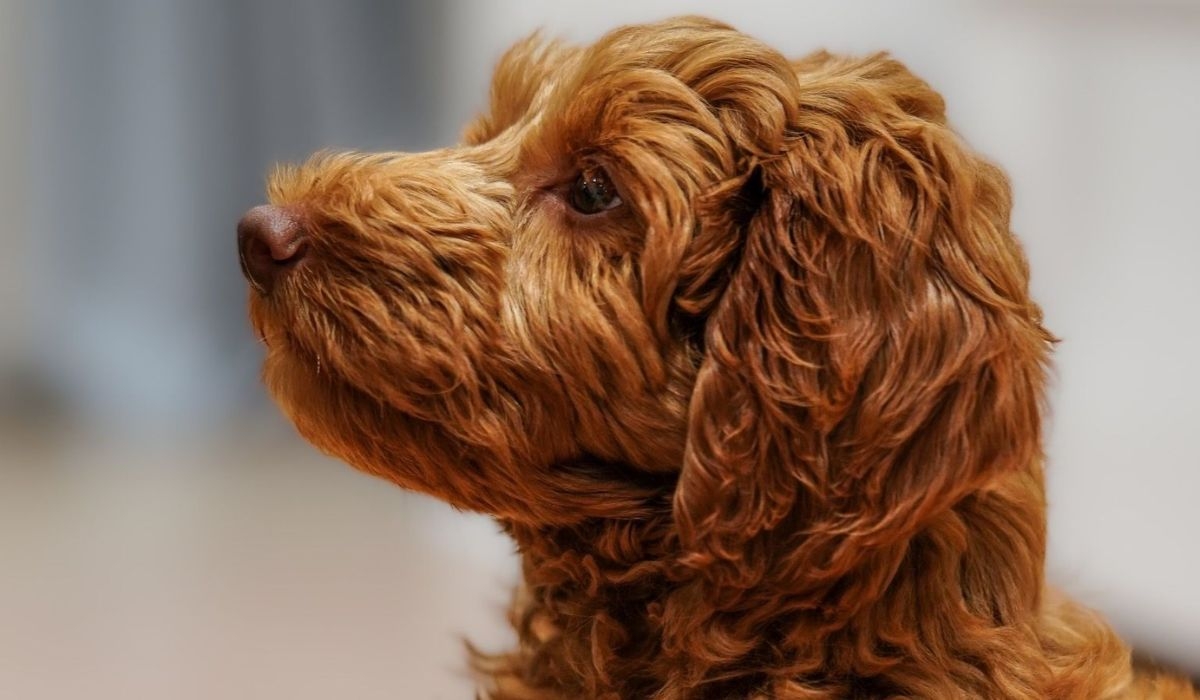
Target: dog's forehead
{"type": "Point", "coordinates": [538, 73]}
{"type": "Point", "coordinates": [557, 107]}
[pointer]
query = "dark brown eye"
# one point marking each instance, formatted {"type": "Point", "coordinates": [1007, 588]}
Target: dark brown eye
{"type": "Point", "coordinates": [593, 192]}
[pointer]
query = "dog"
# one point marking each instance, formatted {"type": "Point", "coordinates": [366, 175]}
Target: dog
{"type": "Point", "coordinates": [739, 350]}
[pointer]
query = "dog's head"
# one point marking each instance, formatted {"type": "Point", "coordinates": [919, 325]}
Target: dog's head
{"type": "Point", "coordinates": [780, 298]}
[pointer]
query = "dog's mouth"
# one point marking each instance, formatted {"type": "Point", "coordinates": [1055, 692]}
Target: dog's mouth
{"type": "Point", "coordinates": [274, 319]}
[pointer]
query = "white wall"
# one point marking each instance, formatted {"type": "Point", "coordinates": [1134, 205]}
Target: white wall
{"type": "Point", "coordinates": [1095, 113]}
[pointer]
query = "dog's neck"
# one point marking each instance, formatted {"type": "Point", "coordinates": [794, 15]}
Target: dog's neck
{"type": "Point", "coordinates": [589, 611]}
{"type": "Point", "coordinates": [606, 604]}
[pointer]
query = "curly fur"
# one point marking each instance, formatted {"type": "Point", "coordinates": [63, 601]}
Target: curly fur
{"type": "Point", "coordinates": [769, 430]}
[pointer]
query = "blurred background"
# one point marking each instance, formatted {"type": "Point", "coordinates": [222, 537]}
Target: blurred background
{"type": "Point", "coordinates": [163, 532]}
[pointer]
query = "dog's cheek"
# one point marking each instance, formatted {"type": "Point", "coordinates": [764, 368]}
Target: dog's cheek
{"type": "Point", "coordinates": [573, 308]}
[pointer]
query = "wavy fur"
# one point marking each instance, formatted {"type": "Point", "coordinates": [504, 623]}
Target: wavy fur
{"type": "Point", "coordinates": [769, 430]}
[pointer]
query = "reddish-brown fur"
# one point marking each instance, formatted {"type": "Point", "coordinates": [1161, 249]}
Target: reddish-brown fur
{"type": "Point", "coordinates": [771, 429]}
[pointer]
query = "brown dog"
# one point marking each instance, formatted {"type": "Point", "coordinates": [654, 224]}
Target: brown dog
{"type": "Point", "coordinates": [739, 350]}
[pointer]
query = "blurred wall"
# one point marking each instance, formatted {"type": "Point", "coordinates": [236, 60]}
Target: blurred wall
{"type": "Point", "coordinates": [14, 310]}
{"type": "Point", "coordinates": [153, 124]}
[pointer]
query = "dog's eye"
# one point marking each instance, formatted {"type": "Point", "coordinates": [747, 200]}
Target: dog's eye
{"type": "Point", "coordinates": [593, 192]}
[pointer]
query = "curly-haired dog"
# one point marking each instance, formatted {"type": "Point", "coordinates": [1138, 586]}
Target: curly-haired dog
{"type": "Point", "coordinates": [739, 350]}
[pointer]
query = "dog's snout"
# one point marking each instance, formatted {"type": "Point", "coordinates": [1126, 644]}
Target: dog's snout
{"type": "Point", "coordinates": [271, 240]}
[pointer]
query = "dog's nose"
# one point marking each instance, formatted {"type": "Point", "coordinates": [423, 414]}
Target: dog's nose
{"type": "Point", "coordinates": [271, 241]}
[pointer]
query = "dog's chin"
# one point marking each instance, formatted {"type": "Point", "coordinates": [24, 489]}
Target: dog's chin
{"type": "Point", "coordinates": [327, 410]}
{"type": "Point", "coordinates": [320, 404]}
{"type": "Point", "coordinates": [300, 372]}
{"type": "Point", "coordinates": [343, 422]}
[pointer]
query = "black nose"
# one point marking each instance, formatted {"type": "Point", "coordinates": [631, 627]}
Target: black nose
{"type": "Point", "coordinates": [271, 241]}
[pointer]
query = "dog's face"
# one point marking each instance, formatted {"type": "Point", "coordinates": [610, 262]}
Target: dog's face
{"type": "Point", "coordinates": [497, 323]}
{"type": "Point", "coordinates": [661, 266]}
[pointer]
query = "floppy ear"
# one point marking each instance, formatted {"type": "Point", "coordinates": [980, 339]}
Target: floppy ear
{"type": "Point", "coordinates": [874, 356]}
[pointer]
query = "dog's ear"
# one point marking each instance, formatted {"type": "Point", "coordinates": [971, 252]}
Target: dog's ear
{"type": "Point", "coordinates": [874, 355]}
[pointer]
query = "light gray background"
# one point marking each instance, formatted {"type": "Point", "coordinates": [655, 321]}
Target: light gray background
{"type": "Point", "coordinates": [163, 534]}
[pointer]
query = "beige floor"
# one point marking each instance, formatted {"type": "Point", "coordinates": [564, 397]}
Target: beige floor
{"type": "Point", "coordinates": [247, 567]}
{"type": "Point", "coordinates": [233, 569]}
